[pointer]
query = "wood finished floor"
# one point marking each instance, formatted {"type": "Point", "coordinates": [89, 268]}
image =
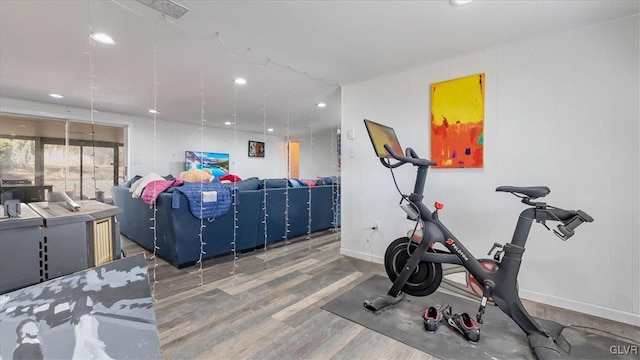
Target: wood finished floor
{"type": "Point", "coordinates": [267, 309]}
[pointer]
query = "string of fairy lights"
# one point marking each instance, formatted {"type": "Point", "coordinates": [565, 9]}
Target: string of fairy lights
{"type": "Point", "coordinates": [235, 185]}
{"type": "Point", "coordinates": [202, 252]}
{"type": "Point", "coordinates": [91, 102]}
{"type": "Point", "coordinates": [154, 219]}
{"type": "Point", "coordinates": [287, 229]}
{"type": "Point", "coordinates": [264, 139]}
{"type": "Point", "coordinates": [335, 182]}
{"type": "Point", "coordinates": [309, 190]}
{"type": "Point", "coordinates": [286, 189]}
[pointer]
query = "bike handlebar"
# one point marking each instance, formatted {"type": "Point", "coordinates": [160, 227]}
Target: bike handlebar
{"type": "Point", "coordinates": [569, 219]}
{"type": "Point", "coordinates": [411, 157]}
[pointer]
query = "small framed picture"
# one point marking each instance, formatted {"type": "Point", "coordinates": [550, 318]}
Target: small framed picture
{"type": "Point", "coordinates": [256, 148]}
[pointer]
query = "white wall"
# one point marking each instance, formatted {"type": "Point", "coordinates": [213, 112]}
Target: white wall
{"type": "Point", "coordinates": [561, 111]}
{"type": "Point", "coordinates": [173, 139]}
{"type": "Point", "coordinates": [318, 154]}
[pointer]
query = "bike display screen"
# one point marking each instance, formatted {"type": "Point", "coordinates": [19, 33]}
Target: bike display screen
{"type": "Point", "coordinates": [381, 135]}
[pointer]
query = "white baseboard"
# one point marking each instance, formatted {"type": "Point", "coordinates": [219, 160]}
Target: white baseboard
{"type": "Point", "coordinates": [582, 307]}
{"type": "Point", "coordinates": [362, 255]}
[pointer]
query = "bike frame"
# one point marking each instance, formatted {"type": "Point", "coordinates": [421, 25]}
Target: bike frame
{"type": "Point", "coordinates": [501, 283]}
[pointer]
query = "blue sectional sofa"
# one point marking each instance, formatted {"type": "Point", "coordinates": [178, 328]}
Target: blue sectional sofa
{"type": "Point", "coordinates": [178, 231]}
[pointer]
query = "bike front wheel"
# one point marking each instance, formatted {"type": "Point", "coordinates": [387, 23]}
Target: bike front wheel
{"type": "Point", "coordinates": [425, 278]}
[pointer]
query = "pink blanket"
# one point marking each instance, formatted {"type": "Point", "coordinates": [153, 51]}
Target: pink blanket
{"type": "Point", "coordinates": [156, 187]}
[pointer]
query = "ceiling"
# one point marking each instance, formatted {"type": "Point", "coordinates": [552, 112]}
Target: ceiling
{"type": "Point", "coordinates": [293, 54]}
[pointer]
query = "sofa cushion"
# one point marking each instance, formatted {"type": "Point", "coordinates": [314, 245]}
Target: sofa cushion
{"type": "Point", "coordinates": [274, 183]}
{"type": "Point", "coordinates": [247, 184]}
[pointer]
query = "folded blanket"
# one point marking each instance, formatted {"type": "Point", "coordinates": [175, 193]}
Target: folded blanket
{"type": "Point", "coordinates": [206, 200]}
{"type": "Point", "coordinates": [138, 186]}
{"type": "Point", "coordinates": [157, 187]}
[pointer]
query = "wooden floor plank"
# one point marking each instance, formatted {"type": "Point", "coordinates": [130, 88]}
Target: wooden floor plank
{"type": "Point", "coordinates": [315, 297]}
{"type": "Point", "coordinates": [250, 341]}
{"type": "Point", "coordinates": [267, 309]}
{"type": "Point", "coordinates": [238, 307]}
{"type": "Point", "coordinates": [235, 286]}
{"type": "Point", "coordinates": [306, 340]}
{"type": "Point", "coordinates": [348, 331]}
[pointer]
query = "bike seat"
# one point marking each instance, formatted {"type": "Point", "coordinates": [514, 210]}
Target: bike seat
{"type": "Point", "coordinates": [532, 192]}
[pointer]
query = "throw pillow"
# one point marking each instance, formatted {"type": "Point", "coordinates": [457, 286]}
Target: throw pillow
{"type": "Point", "coordinates": [247, 184]}
{"type": "Point", "coordinates": [230, 177]}
{"type": "Point", "coordinates": [308, 182]}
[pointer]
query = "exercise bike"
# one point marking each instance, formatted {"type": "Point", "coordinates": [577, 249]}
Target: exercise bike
{"type": "Point", "coordinates": [415, 266]}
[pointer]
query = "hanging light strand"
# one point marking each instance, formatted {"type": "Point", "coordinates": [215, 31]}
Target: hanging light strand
{"type": "Point", "coordinates": [264, 139]}
{"type": "Point", "coordinates": [92, 101]}
{"type": "Point", "coordinates": [286, 189]}
{"type": "Point", "coordinates": [309, 238]}
{"type": "Point", "coordinates": [202, 121]}
{"type": "Point", "coordinates": [336, 183]}
{"type": "Point", "coordinates": [309, 201]}
{"type": "Point", "coordinates": [268, 61]}
{"type": "Point", "coordinates": [154, 219]}
{"type": "Point", "coordinates": [235, 183]}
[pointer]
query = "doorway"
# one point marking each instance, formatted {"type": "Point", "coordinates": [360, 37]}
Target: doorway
{"type": "Point", "coordinates": [294, 159]}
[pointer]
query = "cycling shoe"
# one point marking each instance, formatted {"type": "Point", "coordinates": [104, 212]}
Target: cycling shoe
{"type": "Point", "coordinates": [463, 323]}
{"type": "Point", "coordinates": [431, 318]}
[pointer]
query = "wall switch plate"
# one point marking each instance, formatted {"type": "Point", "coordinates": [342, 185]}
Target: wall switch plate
{"type": "Point", "coordinates": [351, 134]}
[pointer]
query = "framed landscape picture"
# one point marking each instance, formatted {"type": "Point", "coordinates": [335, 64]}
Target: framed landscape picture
{"type": "Point", "coordinates": [217, 162]}
{"type": "Point", "coordinates": [256, 148]}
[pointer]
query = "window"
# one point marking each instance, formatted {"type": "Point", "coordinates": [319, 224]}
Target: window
{"type": "Point", "coordinates": [38, 152]}
{"type": "Point", "coordinates": [17, 161]}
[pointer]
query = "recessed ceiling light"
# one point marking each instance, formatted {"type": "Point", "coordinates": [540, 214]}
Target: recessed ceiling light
{"type": "Point", "coordinates": [321, 105]}
{"type": "Point", "coordinates": [240, 81]}
{"type": "Point", "coordinates": [270, 130]}
{"type": "Point", "coordinates": [57, 96]}
{"type": "Point", "coordinates": [154, 111]}
{"type": "Point", "coordinates": [102, 38]}
{"type": "Point", "coordinates": [227, 122]}
{"type": "Point", "coordinates": [459, 2]}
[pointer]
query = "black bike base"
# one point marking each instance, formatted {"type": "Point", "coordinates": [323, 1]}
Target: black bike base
{"type": "Point", "coordinates": [382, 302]}
{"type": "Point", "coordinates": [545, 348]}
{"type": "Point", "coordinates": [500, 337]}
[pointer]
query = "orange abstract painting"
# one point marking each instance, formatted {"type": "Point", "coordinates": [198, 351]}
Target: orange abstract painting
{"type": "Point", "coordinates": [457, 122]}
